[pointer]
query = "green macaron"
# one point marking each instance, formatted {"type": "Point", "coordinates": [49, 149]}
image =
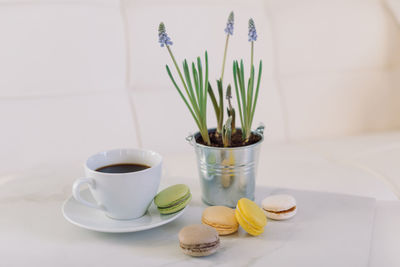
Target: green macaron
{"type": "Point", "coordinates": [173, 199]}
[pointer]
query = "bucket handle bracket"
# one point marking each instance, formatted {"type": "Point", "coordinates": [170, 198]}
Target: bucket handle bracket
{"type": "Point", "coordinates": [190, 139]}
{"type": "Point", "coordinates": [260, 129]}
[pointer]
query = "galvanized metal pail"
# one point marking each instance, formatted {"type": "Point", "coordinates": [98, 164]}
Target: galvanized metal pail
{"type": "Point", "coordinates": [227, 174]}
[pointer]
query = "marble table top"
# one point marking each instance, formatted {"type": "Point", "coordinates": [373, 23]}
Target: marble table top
{"type": "Point", "coordinates": [329, 230]}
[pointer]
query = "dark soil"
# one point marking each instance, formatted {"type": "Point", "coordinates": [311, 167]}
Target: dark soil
{"type": "Point", "coordinates": [237, 140]}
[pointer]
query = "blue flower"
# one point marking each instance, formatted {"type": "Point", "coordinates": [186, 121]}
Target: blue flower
{"type": "Point", "coordinates": [252, 31]}
{"type": "Point", "coordinates": [229, 24]}
{"type": "Point", "coordinates": [163, 37]}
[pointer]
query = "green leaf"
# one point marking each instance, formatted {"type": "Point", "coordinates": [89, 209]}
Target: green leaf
{"type": "Point", "coordinates": [258, 86]}
{"type": "Point", "coordinates": [188, 80]}
{"type": "Point", "coordinates": [196, 101]}
{"type": "Point", "coordinates": [201, 87]}
{"type": "Point", "coordinates": [182, 96]}
{"type": "Point", "coordinates": [236, 77]}
{"type": "Point", "coordinates": [220, 118]}
{"type": "Point", "coordinates": [248, 105]}
{"type": "Point", "coordinates": [213, 100]}
{"type": "Point", "coordinates": [206, 83]}
{"type": "Point", "coordinates": [196, 85]}
{"type": "Point", "coordinates": [200, 70]}
{"type": "Point", "coordinates": [190, 92]}
{"type": "Point", "coordinates": [250, 91]}
{"type": "Point", "coordinates": [243, 98]}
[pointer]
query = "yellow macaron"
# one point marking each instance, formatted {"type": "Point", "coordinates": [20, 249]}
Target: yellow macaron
{"type": "Point", "coordinates": [221, 218]}
{"type": "Point", "coordinates": [250, 216]}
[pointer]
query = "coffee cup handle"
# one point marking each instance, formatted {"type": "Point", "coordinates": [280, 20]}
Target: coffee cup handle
{"type": "Point", "coordinates": [76, 192]}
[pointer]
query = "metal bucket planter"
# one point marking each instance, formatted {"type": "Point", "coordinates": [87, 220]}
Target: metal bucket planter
{"type": "Point", "coordinates": [227, 174]}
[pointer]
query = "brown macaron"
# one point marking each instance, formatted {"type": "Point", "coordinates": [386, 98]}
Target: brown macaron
{"type": "Point", "coordinates": [199, 240]}
{"type": "Point", "coordinates": [221, 218]}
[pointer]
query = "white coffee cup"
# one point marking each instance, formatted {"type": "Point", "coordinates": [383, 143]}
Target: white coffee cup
{"type": "Point", "coordinates": [121, 196]}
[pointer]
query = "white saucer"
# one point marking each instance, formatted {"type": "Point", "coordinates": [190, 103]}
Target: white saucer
{"type": "Point", "coordinates": [96, 220]}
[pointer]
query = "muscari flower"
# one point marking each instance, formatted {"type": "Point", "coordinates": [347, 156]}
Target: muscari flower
{"type": "Point", "coordinates": [252, 31]}
{"type": "Point", "coordinates": [229, 24]}
{"type": "Point", "coordinates": [163, 37]}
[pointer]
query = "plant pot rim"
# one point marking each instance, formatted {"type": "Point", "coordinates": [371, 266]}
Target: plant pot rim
{"type": "Point", "coordinates": [259, 131]}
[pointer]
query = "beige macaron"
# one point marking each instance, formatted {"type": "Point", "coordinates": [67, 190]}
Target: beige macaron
{"type": "Point", "coordinates": [279, 207]}
{"type": "Point", "coordinates": [221, 218]}
{"type": "Point", "coordinates": [199, 240]}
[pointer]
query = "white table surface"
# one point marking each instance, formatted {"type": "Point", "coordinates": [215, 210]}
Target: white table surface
{"type": "Point", "coordinates": [34, 233]}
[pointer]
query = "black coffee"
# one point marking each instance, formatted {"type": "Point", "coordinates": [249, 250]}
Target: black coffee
{"type": "Point", "coordinates": [122, 168]}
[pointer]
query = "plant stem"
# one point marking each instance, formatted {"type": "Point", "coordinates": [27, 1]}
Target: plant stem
{"type": "Point", "coordinates": [223, 61]}
{"type": "Point", "coordinates": [252, 54]}
{"type": "Point", "coordinates": [176, 66]}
